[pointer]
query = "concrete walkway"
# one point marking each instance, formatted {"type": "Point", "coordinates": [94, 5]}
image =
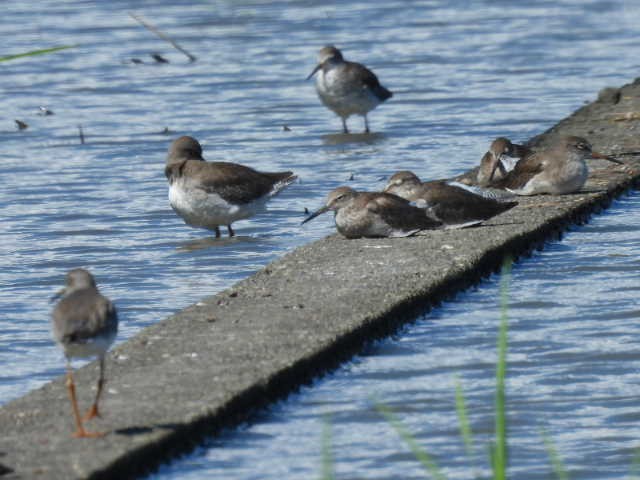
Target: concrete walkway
{"type": "Point", "coordinates": [212, 364]}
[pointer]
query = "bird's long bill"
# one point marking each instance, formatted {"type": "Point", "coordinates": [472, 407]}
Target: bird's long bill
{"type": "Point", "coordinates": [627, 153]}
{"type": "Point", "coordinates": [501, 167]}
{"type": "Point", "coordinates": [318, 67]}
{"type": "Point", "coordinates": [315, 214]}
{"type": "Point", "coordinates": [57, 295]}
{"type": "Point", "coordinates": [606, 157]}
{"type": "Point", "coordinates": [494, 162]}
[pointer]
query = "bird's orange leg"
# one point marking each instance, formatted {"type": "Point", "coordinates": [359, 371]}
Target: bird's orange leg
{"type": "Point", "coordinates": [93, 411]}
{"type": "Point", "coordinates": [80, 431]}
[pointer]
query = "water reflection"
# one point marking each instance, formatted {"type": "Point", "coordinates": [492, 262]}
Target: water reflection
{"type": "Point", "coordinates": [212, 241]}
{"type": "Point", "coordinates": [346, 138]}
{"type": "Point", "coordinates": [571, 372]}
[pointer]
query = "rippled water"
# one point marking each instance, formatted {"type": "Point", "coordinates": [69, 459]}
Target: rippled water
{"type": "Point", "coordinates": [572, 371]}
{"type": "Point", "coordinates": [462, 73]}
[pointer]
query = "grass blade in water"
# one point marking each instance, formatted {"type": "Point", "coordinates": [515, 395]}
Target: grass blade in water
{"type": "Point", "coordinates": [35, 52]}
{"type": "Point", "coordinates": [635, 465]}
{"type": "Point", "coordinates": [423, 457]}
{"type": "Point", "coordinates": [463, 420]}
{"type": "Point", "coordinates": [327, 452]}
{"type": "Point", "coordinates": [556, 461]}
{"type": "Point", "coordinates": [499, 453]}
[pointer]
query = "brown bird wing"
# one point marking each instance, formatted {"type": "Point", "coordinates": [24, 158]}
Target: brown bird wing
{"type": "Point", "coordinates": [357, 72]}
{"type": "Point", "coordinates": [399, 213]}
{"type": "Point", "coordinates": [235, 183]}
{"type": "Point", "coordinates": [525, 170]}
{"type": "Point", "coordinates": [453, 205]}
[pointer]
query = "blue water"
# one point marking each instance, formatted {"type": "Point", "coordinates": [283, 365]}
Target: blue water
{"type": "Point", "coordinates": [572, 372]}
{"type": "Point", "coordinates": [462, 73]}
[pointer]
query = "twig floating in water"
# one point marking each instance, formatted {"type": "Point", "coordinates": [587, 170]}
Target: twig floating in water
{"type": "Point", "coordinates": [81, 133]}
{"type": "Point", "coordinates": [159, 58]}
{"type": "Point", "coordinates": [153, 29]}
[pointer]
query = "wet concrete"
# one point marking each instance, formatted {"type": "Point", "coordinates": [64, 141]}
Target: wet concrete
{"type": "Point", "coordinates": [212, 364]}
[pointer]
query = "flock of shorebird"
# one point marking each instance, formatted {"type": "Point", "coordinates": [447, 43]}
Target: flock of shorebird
{"type": "Point", "coordinates": [213, 194]}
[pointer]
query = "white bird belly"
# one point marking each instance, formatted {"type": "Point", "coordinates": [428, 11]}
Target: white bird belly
{"type": "Point", "coordinates": [342, 97]}
{"type": "Point", "coordinates": [572, 177]}
{"type": "Point", "coordinates": [93, 347]}
{"type": "Point", "coordinates": [569, 179]}
{"type": "Point", "coordinates": [199, 208]}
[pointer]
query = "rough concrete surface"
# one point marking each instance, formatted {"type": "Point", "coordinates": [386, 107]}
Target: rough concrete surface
{"type": "Point", "coordinates": [210, 365]}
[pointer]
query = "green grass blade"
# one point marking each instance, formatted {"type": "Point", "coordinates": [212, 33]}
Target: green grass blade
{"type": "Point", "coordinates": [635, 465]}
{"type": "Point", "coordinates": [499, 453]}
{"type": "Point", "coordinates": [327, 451]}
{"type": "Point", "coordinates": [554, 457]}
{"type": "Point", "coordinates": [422, 456]}
{"type": "Point", "coordinates": [463, 420]}
{"type": "Point", "coordinates": [35, 52]}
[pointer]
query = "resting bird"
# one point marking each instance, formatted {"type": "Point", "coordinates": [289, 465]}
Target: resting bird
{"type": "Point", "coordinates": [374, 214]}
{"type": "Point", "coordinates": [499, 159]}
{"type": "Point", "coordinates": [450, 204]}
{"type": "Point", "coordinates": [557, 170]}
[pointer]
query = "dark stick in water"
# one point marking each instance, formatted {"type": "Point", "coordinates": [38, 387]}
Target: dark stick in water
{"type": "Point", "coordinates": [153, 29]}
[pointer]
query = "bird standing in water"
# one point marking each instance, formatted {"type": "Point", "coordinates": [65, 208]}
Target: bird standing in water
{"type": "Point", "coordinates": [347, 88]}
{"type": "Point", "coordinates": [210, 194]}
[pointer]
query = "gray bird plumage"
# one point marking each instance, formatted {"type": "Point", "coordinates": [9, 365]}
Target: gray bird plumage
{"type": "Point", "coordinates": [83, 316]}
{"type": "Point", "coordinates": [452, 205]}
{"type": "Point", "coordinates": [374, 214]}
{"type": "Point", "coordinates": [347, 88]}
{"type": "Point", "coordinates": [558, 170]}
{"type": "Point", "coordinates": [85, 323]}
